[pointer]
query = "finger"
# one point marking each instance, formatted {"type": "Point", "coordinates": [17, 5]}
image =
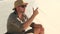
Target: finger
{"type": "Point", "coordinates": [36, 8]}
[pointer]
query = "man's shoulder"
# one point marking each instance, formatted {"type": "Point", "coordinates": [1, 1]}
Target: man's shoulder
{"type": "Point", "coordinates": [12, 17]}
{"type": "Point", "coordinates": [12, 14]}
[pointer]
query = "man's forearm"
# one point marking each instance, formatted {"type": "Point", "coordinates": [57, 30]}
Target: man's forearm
{"type": "Point", "coordinates": [28, 22]}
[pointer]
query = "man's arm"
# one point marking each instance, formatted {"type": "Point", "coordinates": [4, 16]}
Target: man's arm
{"type": "Point", "coordinates": [29, 21]}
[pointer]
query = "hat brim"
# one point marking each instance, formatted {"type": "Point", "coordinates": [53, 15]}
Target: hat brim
{"type": "Point", "coordinates": [24, 4]}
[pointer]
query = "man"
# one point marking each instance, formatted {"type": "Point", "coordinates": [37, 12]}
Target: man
{"type": "Point", "coordinates": [18, 21]}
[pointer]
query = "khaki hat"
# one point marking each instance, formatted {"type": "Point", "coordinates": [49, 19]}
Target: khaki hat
{"type": "Point", "coordinates": [19, 2]}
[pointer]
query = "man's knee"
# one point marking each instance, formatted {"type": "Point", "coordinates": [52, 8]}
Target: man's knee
{"type": "Point", "coordinates": [39, 27]}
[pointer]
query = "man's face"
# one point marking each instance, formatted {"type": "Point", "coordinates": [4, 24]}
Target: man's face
{"type": "Point", "coordinates": [21, 8]}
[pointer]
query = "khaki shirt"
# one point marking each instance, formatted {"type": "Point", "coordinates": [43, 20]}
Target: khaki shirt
{"type": "Point", "coordinates": [14, 24]}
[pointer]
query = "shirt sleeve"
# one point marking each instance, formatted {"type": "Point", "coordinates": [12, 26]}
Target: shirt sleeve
{"type": "Point", "coordinates": [18, 24]}
{"type": "Point", "coordinates": [15, 22]}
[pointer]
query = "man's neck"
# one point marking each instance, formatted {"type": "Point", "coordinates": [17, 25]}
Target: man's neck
{"type": "Point", "coordinates": [20, 15]}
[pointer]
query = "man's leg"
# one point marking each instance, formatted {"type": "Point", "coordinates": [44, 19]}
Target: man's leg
{"type": "Point", "coordinates": [36, 29]}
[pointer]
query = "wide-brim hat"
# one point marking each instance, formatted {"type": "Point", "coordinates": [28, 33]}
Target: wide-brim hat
{"type": "Point", "coordinates": [18, 3]}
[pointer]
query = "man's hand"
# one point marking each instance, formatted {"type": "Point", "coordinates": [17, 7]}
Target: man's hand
{"type": "Point", "coordinates": [35, 12]}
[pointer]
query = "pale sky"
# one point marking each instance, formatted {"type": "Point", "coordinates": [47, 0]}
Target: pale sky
{"type": "Point", "coordinates": [49, 14]}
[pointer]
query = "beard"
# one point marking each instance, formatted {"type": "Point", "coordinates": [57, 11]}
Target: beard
{"type": "Point", "coordinates": [21, 11]}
